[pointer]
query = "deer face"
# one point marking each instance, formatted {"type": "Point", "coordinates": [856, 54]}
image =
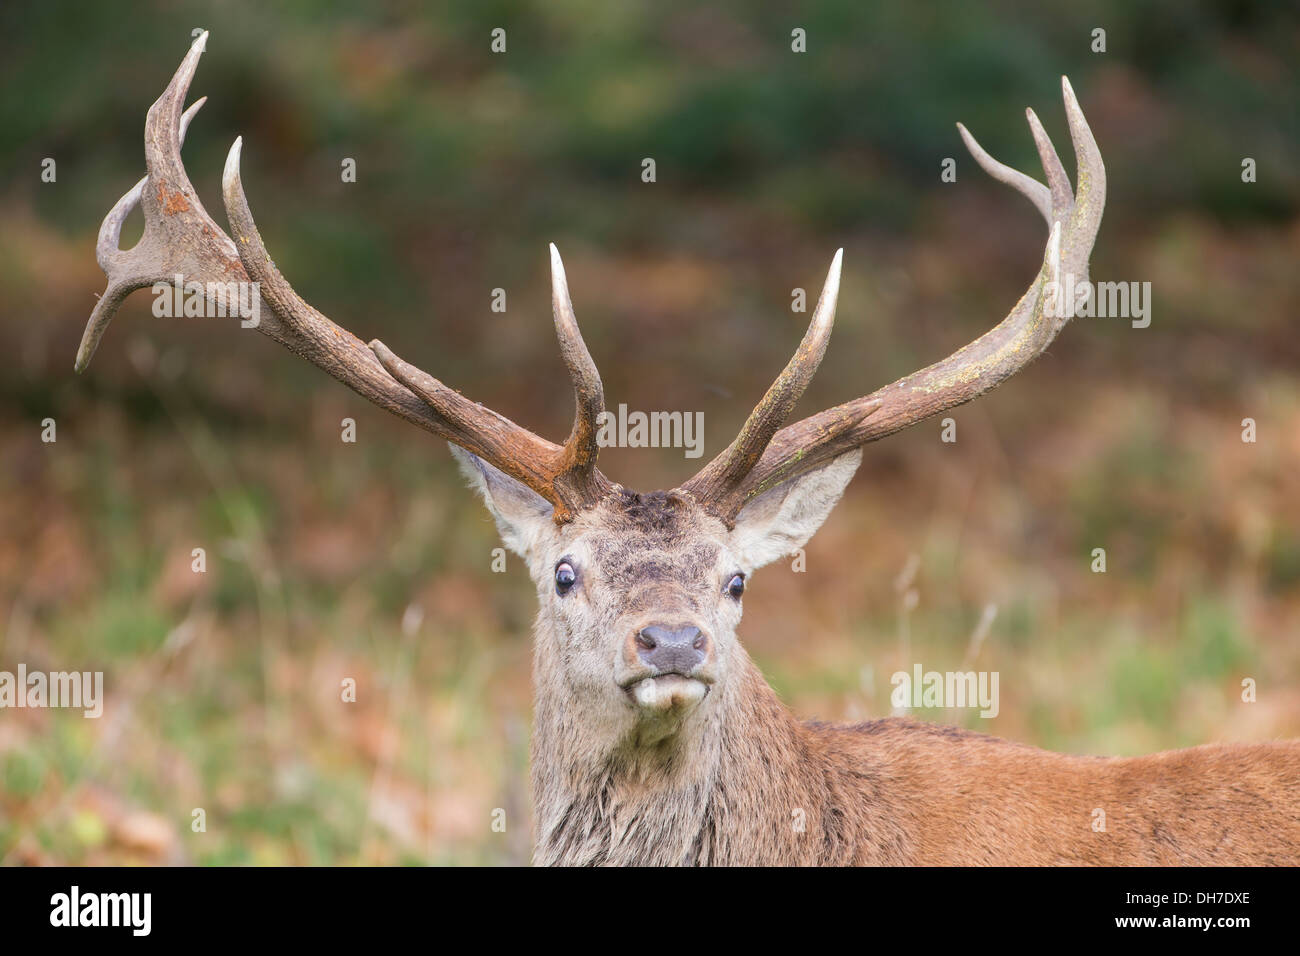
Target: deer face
{"type": "Point", "coordinates": [641, 594]}
{"type": "Point", "coordinates": [644, 596]}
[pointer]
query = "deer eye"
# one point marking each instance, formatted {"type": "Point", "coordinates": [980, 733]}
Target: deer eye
{"type": "Point", "coordinates": [736, 586]}
{"type": "Point", "coordinates": [565, 578]}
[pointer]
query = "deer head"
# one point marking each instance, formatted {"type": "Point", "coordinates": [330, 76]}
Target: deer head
{"type": "Point", "coordinates": [637, 658]}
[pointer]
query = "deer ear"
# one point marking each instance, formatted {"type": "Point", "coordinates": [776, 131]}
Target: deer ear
{"type": "Point", "coordinates": [782, 519]}
{"type": "Point", "coordinates": [521, 514]}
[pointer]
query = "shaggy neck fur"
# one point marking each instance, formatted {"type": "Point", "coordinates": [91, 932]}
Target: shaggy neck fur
{"type": "Point", "coordinates": [742, 782]}
{"type": "Point", "coordinates": [705, 790]}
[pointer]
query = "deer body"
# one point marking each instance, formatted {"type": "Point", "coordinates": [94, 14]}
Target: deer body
{"type": "Point", "coordinates": [656, 739]}
{"type": "Point", "coordinates": [737, 779]}
{"type": "Point", "coordinates": [775, 791]}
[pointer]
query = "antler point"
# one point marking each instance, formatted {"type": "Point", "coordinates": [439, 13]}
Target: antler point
{"type": "Point", "coordinates": [230, 175]}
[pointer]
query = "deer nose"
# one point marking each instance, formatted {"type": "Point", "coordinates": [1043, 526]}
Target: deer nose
{"type": "Point", "coordinates": [670, 651]}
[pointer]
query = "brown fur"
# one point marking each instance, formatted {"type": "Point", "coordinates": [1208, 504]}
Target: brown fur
{"type": "Point", "coordinates": [738, 780]}
{"type": "Point", "coordinates": [770, 790]}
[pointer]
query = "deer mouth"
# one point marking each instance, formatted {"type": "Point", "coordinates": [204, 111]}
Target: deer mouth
{"type": "Point", "coordinates": [667, 692]}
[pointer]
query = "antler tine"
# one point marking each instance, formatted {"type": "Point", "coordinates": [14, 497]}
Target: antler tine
{"type": "Point", "coordinates": [1090, 192]}
{"type": "Point", "coordinates": [1028, 329]}
{"type": "Point", "coordinates": [566, 476]}
{"type": "Point", "coordinates": [1027, 186]}
{"type": "Point", "coordinates": [108, 248]}
{"type": "Point", "coordinates": [1058, 183]}
{"type": "Point", "coordinates": [721, 476]}
{"type": "Point", "coordinates": [589, 394]}
{"type": "Point", "coordinates": [181, 239]}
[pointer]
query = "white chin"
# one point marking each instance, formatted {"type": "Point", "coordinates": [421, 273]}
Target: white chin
{"type": "Point", "coordinates": [669, 692]}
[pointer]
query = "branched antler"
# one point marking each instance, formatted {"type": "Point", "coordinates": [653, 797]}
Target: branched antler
{"type": "Point", "coordinates": [762, 457]}
{"type": "Point", "coordinates": [180, 238]}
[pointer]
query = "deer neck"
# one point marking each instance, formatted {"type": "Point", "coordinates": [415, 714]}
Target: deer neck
{"type": "Point", "coordinates": [728, 785]}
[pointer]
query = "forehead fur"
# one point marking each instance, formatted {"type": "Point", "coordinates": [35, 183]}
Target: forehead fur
{"type": "Point", "coordinates": [663, 513]}
{"type": "Point", "coordinates": [655, 537]}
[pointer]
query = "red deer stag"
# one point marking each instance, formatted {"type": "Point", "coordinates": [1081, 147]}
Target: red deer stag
{"type": "Point", "coordinates": [656, 739]}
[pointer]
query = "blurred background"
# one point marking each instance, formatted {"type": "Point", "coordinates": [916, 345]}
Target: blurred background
{"type": "Point", "coordinates": [371, 561]}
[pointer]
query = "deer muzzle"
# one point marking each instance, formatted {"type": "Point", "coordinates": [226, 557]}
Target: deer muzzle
{"type": "Point", "coordinates": [667, 667]}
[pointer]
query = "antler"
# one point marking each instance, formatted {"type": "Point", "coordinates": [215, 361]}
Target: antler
{"type": "Point", "coordinates": [181, 239]}
{"type": "Point", "coordinates": [762, 457]}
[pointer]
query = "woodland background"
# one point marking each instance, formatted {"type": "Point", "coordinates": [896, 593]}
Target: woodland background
{"type": "Point", "coordinates": [370, 560]}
